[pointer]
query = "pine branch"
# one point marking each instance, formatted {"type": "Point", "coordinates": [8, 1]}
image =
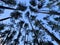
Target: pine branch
{"type": "Point", "coordinates": [5, 18]}
{"type": "Point", "coordinates": [51, 12]}
{"type": "Point", "coordinates": [4, 7]}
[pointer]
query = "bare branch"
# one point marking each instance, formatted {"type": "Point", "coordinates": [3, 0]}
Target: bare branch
{"type": "Point", "coordinates": [5, 18]}
{"type": "Point", "coordinates": [51, 12]}
{"type": "Point", "coordinates": [3, 7]}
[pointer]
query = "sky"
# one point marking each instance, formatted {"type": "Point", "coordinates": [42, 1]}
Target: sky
{"type": "Point", "coordinates": [40, 16]}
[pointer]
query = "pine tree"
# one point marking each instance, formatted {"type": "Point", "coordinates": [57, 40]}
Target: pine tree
{"type": "Point", "coordinates": [33, 27]}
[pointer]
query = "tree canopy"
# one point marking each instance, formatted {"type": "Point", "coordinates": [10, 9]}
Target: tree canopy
{"type": "Point", "coordinates": [25, 28]}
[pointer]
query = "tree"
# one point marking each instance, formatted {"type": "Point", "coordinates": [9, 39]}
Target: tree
{"type": "Point", "coordinates": [25, 29]}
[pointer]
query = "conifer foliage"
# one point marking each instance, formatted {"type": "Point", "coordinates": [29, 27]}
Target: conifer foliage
{"type": "Point", "coordinates": [25, 28]}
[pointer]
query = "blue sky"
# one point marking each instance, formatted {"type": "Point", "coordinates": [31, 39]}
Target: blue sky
{"type": "Point", "coordinates": [40, 16]}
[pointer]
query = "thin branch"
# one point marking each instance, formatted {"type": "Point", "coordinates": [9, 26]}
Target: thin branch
{"type": "Point", "coordinates": [5, 18]}
{"type": "Point", "coordinates": [3, 7]}
{"type": "Point", "coordinates": [51, 12]}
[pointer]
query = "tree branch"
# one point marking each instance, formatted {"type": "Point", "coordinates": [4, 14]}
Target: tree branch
{"type": "Point", "coordinates": [5, 18]}
{"type": "Point", "coordinates": [51, 12]}
{"type": "Point", "coordinates": [3, 7]}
